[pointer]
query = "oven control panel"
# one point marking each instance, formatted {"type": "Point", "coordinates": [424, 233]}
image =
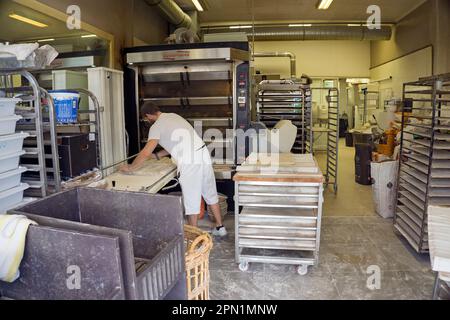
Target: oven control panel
{"type": "Point", "coordinates": [243, 107]}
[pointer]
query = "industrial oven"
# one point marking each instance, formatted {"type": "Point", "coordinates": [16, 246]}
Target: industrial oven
{"type": "Point", "coordinates": [206, 83]}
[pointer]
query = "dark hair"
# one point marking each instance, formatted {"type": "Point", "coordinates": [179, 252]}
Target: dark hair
{"type": "Point", "coordinates": [149, 108]}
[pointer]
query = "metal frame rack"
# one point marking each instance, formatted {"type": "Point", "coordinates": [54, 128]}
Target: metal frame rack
{"type": "Point", "coordinates": [280, 221]}
{"type": "Point", "coordinates": [332, 131]}
{"type": "Point", "coordinates": [41, 146]}
{"type": "Point", "coordinates": [285, 100]}
{"type": "Point", "coordinates": [424, 171]}
{"type": "Point", "coordinates": [366, 97]}
{"type": "Point", "coordinates": [36, 125]}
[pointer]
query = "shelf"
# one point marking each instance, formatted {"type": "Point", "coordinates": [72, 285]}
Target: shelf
{"type": "Point", "coordinates": [427, 92]}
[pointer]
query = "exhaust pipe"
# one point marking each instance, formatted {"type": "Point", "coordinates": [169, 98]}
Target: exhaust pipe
{"type": "Point", "coordinates": [172, 13]}
{"type": "Point", "coordinates": [289, 55]}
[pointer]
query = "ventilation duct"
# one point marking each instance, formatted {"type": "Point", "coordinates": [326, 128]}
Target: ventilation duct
{"type": "Point", "coordinates": [172, 13]}
{"type": "Point", "coordinates": [289, 55]}
{"type": "Point", "coordinates": [319, 32]}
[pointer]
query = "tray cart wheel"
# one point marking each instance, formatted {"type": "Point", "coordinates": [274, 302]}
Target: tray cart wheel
{"type": "Point", "coordinates": [302, 270]}
{"type": "Point", "coordinates": [244, 266]}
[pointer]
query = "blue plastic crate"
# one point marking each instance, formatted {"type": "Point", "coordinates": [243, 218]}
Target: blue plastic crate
{"type": "Point", "coordinates": [67, 103]}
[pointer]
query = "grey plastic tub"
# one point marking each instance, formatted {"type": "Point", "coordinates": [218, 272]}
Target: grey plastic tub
{"type": "Point", "coordinates": [12, 143]}
{"type": "Point", "coordinates": [10, 161]}
{"type": "Point", "coordinates": [11, 179]}
{"type": "Point", "coordinates": [8, 124]}
{"type": "Point", "coordinates": [8, 106]}
{"type": "Point", "coordinates": [149, 229]}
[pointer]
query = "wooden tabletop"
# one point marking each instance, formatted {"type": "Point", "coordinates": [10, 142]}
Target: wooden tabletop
{"type": "Point", "coordinates": [288, 168]}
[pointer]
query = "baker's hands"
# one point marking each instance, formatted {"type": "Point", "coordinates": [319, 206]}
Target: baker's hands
{"type": "Point", "coordinates": [125, 169]}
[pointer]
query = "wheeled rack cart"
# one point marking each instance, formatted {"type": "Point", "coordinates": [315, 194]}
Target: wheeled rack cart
{"type": "Point", "coordinates": [285, 100]}
{"type": "Point", "coordinates": [332, 133]}
{"type": "Point", "coordinates": [280, 220]}
{"type": "Point", "coordinates": [424, 171]}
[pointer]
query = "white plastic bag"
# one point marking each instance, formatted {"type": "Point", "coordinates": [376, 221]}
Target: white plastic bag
{"type": "Point", "coordinates": [384, 176]}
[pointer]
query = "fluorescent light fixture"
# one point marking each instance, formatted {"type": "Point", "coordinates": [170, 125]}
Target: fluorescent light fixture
{"type": "Point", "coordinates": [197, 5]}
{"type": "Point", "coordinates": [358, 80]}
{"type": "Point", "coordinates": [46, 40]}
{"type": "Point", "coordinates": [241, 27]}
{"type": "Point", "coordinates": [354, 25]}
{"type": "Point", "coordinates": [28, 20]}
{"type": "Point", "coordinates": [300, 25]}
{"type": "Point", "coordinates": [89, 36]}
{"type": "Point", "coordinates": [324, 4]}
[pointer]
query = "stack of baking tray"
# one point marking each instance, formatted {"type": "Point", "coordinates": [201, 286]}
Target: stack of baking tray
{"type": "Point", "coordinates": [281, 200]}
{"type": "Point", "coordinates": [285, 100]}
{"type": "Point", "coordinates": [424, 176]}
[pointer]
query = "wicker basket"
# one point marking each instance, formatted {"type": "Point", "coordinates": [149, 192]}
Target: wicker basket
{"type": "Point", "coordinates": [198, 246]}
{"type": "Point", "coordinates": [223, 204]}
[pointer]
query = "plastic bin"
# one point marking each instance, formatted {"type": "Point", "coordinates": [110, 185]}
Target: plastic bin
{"type": "Point", "coordinates": [10, 162]}
{"type": "Point", "coordinates": [8, 124]}
{"type": "Point", "coordinates": [151, 241]}
{"type": "Point", "coordinates": [12, 143]}
{"type": "Point", "coordinates": [12, 198]}
{"type": "Point", "coordinates": [384, 178]}
{"type": "Point", "coordinates": [8, 106]}
{"type": "Point", "coordinates": [66, 105]}
{"type": "Point", "coordinates": [11, 179]}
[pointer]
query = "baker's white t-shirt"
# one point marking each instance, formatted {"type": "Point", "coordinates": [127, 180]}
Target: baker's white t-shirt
{"type": "Point", "coordinates": [177, 137]}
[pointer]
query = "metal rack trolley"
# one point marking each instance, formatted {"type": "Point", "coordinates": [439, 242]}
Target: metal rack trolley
{"type": "Point", "coordinates": [36, 125]}
{"type": "Point", "coordinates": [424, 171]}
{"type": "Point", "coordinates": [285, 100]}
{"type": "Point", "coordinates": [332, 131]}
{"type": "Point", "coordinates": [369, 98]}
{"type": "Point", "coordinates": [280, 221]}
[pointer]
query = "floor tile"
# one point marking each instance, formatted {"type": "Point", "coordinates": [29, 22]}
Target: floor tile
{"type": "Point", "coordinates": [237, 286]}
{"type": "Point", "coordinates": [355, 287]}
{"type": "Point", "coordinates": [352, 258]}
{"type": "Point", "coordinates": [343, 233]}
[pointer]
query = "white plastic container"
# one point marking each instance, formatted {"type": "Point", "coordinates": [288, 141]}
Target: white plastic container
{"type": "Point", "coordinates": [12, 198]}
{"type": "Point", "coordinates": [10, 162]}
{"type": "Point", "coordinates": [8, 124]}
{"type": "Point", "coordinates": [12, 143]}
{"type": "Point", "coordinates": [384, 175]}
{"type": "Point", "coordinates": [11, 179]}
{"type": "Point", "coordinates": [8, 106]}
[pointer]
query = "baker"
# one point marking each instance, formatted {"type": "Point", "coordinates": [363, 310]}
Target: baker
{"type": "Point", "coordinates": [196, 175]}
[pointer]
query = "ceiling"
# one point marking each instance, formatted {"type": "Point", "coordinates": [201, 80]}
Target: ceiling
{"type": "Point", "coordinates": [13, 30]}
{"type": "Point", "coordinates": [221, 11]}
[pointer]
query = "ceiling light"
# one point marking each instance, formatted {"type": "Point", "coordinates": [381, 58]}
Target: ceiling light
{"type": "Point", "coordinates": [89, 36]}
{"type": "Point", "coordinates": [241, 27]}
{"type": "Point", "coordinates": [46, 40]}
{"type": "Point", "coordinates": [27, 20]}
{"type": "Point", "coordinates": [197, 5]}
{"type": "Point", "coordinates": [354, 25]}
{"type": "Point", "coordinates": [300, 25]}
{"type": "Point", "coordinates": [324, 4]}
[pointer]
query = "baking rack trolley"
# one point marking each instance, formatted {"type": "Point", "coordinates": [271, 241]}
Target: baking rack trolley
{"type": "Point", "coordinates": [278, 219]}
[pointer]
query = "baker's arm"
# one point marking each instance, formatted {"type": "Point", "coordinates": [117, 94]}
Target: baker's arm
{"type": "Point", "coordinates": [161, 154]}
{"type": "Point", "coordinates": [145, 154]}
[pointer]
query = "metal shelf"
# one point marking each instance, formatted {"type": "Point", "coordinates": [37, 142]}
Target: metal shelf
{"type": "Point", "coordinates": [332, 132]}
{"type": "Point", "coordinates": [424, 171]}
{"type": "Point", "coordinates": [33, 102]}
{"type": "Point", "coordinates": [283, 217]}
{"type": "Point", "coordinates": [284, 100]}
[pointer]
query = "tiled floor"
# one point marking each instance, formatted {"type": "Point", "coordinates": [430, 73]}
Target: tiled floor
{"type": "Point", "coordinates": [353, 239]}
{"type": "Point", "coordinates": [349, 247]}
